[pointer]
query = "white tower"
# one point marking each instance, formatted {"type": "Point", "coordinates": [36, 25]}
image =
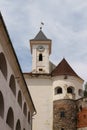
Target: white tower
{"type": "Point", "coordinates": [40, 49]}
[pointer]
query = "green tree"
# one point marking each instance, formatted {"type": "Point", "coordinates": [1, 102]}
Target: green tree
{"type": "Point", "coordinates": [85, 91]}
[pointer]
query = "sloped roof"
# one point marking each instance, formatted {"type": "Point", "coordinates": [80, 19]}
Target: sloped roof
{"type": "Point", "coordinates": [63, 68]}
{"type": "Point", "coordinates": [41, 36]}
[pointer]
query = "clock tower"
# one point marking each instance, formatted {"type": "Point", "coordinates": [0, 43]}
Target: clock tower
{"type": "Point", "coordinates": [40, 50]}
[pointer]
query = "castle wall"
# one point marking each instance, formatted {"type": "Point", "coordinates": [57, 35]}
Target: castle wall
{"type": "Point", "coordinates": [64, 115]}
{"type": "Point", "coordinates": [71, 81]}
{"type": "Point", "coordinates": [9, 99]}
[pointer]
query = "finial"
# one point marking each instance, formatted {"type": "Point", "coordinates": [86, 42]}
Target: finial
{"type": "Point", "coordinates": [41, 25]}
{"type": "Point", "coordinates": [40, 28]}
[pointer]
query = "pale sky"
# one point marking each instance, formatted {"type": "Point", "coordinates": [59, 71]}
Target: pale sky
{"type": "Point", "coordinates": [65, 23]}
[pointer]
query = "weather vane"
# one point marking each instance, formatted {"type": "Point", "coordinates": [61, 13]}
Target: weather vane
{"type": "Point", "coordinates": [42, 24]}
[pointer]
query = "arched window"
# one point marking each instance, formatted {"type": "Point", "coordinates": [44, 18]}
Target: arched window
{"type": "Point", "coordinates": [25, 109]}
{"type": "Point", "coordinates": [3, 65]}
{"type": "Point", "coordinates": [58, 90]}
{"type": "Point", "coordinates": [18, 125]}
{"type": "Point", "coordinates": [12, 84]}
{"type": "Point", "coordinates": [80, 92]}
{"type": "Point", "coordinates": [29, 117]}
{"type": "Point", "coordinates": [20, 98]}
{"type": "Point", "coordinates": [10, 118]}
{"type": "Point", "coordinates": [40, 57]}
{"type": "Point", "coordinates": [70, 90]}
{"type": "Point", "coordinates": [1, 105]}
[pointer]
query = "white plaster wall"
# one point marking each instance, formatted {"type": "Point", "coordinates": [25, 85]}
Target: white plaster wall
{"type": "Point", "coordinates": [41, 92]}
{"type": "Point", "coordinates": [34, 59]}
{"type": "Point", "coordinates": [40, 64]}
{"type": "Point", "coordinates": [11, 101]}
{"type": "Point", "coordinates": [64, 83]}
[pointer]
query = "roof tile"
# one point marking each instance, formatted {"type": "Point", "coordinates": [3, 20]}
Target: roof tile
{"type": "Point", "coordinates": [63, 68]}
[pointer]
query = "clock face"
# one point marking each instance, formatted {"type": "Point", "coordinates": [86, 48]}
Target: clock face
{"type": "Point", "coordinates": [40, 48]}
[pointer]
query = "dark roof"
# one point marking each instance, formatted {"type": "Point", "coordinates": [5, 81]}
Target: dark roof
{"type": "Point", "coordinates": [63, 68]}
{"type": "Point", "coordinates": [41, 36]}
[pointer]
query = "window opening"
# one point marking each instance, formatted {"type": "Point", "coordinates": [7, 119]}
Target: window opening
{"type": "Point", "coordinates": [69, 90]}
{"type": "Point", "coordinates": [20, 98]}
{"type": "Point", "coordinates": [1, 105]}
{"type": "Point", "coordinates": [80, 92]}
{"type": "Point", "coordinates": [12, 84]}
{"type": "Point", "coordinates": [58, 90]}
{"type": "Point", "coordinates": [40, 69]}
{"type": "Point", "coordinates": [62, 114]}
{"type": "Point", "coordinates": [29, 117]}
{"type": "Point", "coordinates": [3, 65]}
{"type": "Point", "coordinates": [25, 109]}
{"type": "Point", "coordinates": [40, 57]}
{"type": "Point", "coordinates": [18, 125]}
{"type": "Point", "coordinates": [10, 118]}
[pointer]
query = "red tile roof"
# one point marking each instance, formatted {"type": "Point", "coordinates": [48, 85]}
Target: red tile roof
{"type": "Point", "coordinates": [63, 68]}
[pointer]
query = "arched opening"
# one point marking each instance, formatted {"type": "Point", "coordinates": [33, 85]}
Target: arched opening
{"type": "Point", "coordinates": [29, 117]}
{"type": "Point", "coordinates": [12, 84]}
{"type": "Point", "coordinates": [58, 90]}
{"type": "Point", "coordinates": [10, 118]}
{"type": "Point", "coordinates": [80, 92]}
{"type": "Point", "coordinates": [18, 125]}
{"type": "Point", "coordinates": [20, 98]}
{"type": "Point", "coordinates": [25, 109]}
{"type": "Point", "coordinates": [23, 128]}
{"type": "Point", "coordinates": [40, 57]}
{"type": "Point", "coordinates": [3, 65]}
{"type": "Point", "coordinates": [70, 90]}
{"type": "Point", "coordinates": [1, 105]}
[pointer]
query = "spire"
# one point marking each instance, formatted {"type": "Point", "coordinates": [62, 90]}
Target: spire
{"type": "Point", "coordinates": [41, 36]}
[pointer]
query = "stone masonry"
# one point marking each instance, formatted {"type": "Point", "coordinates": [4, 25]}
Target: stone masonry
{"type": "Point", "coordinates": [64, 115]}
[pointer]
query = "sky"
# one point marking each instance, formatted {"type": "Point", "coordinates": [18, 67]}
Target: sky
{"type": "Point", "coordinates": [65, 23]}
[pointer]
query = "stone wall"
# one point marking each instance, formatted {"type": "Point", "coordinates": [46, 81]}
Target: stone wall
{"type": "Point", "coordinates": [64, 115]}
